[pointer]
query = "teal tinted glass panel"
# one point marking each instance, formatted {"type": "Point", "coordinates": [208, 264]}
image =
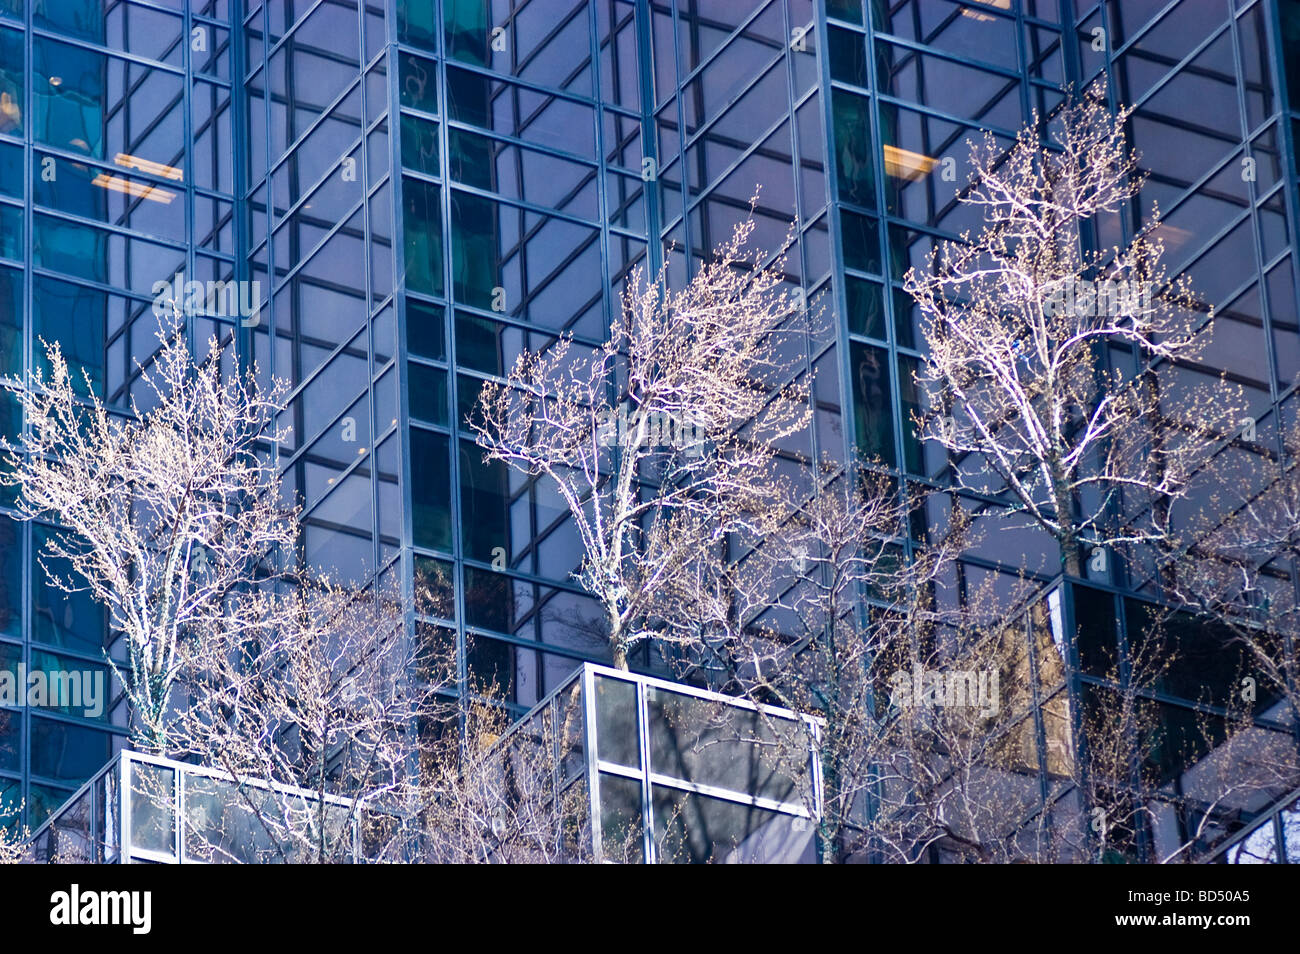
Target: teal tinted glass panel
{"type": "Point", "coordinates": [64, 620]}
{"type": "Point", "coordinates": [427, 394]}
{"type": "Point", "coordinates": [854, 161]}
{"type": "Point", "coordinates": [418, 83]}
{"type": "Point", "coordinates": [109, 196]}
{"type": "Point", "coordinates": [478, 343]}
{"type": "Point", "coordinates": [83, 19]}
{"type": "Point", "coordinates": [11, 578]}
{"type": "Point", "coordinates": [1289, 14]}
{"type": "Point", "coordinates": [467, 98]}
{"type": "Point", "coordinates": [423, 228]}
{"type": "Point", "coordinates": [68, 84]}
{"type": "Point", "coordinates": [431, 489]}
{"type": "Point", "coordinates": [866, 304]}
{"type": "Point", "coordinates": [474, 249]}
{"type": "Point", "coordinates": [11, 423]}
{"type": "Point", "coordinates": [425, 331]}
{"type": "Point", "coordinates": [871, 402]}
{"type": "Point", "coordinates": [485, 504]}
{"type": "Point", "coordinates": [910, 408]}
{"type": "Point", "coordinates": [11, 749]}
{"type": "Point", "coordinates": [419, 144]}
{"type": "Point", "coordinates": [11, 321]}
{"type": "Point", "coordinates": [848, 55]}
{"type": "Point", "coordinates": [12, 74]}
{"type": "Point", "coordinates": [11, 231]}
{"type": "Point", "coordinates": [11, 170]}
{"type": "Point", "coordinates": [67, 753]}
{"type": "Point", "coordinates": [465, 25]}
{"type": "Point", "coordinates": [416, 23]}
{"type": "Point", "coordinates": [75, 687]}
{"type": "Point", "coordinates": [861, 241]}
{"type": "Point", "coordinates": [75, 317]}
{"type": "Point", "coordinates": [847, 10]}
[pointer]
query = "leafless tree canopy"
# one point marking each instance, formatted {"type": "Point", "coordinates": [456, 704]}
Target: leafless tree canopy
{"type": "Point", "coordinates": [1036, 340]}
{"type": "Point", "coordinates": [168, 513]}
{"type": "Point", "coordinates": [662, 442]}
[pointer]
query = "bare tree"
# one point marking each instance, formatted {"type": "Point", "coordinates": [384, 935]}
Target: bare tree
{"type": "Point", "coordinates": [1237, 573]}
{"type": "Point", "coordinates": [662, 442]}
{"type": "Point", "coordinates": [493, 793]}
{"type": "Point", "coordinates": [167, 511]}
{"type": "Point", "coordinates": [13, 838]}
{"type": "Point", "coordinates": [1043, 354]}
{"type": "Point", "coordinates": [315, 688]}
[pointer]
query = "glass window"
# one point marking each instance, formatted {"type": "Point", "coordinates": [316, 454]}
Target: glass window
{"type": "Point", "coordinates": [465, 25]}
{"type": "Point", "coordinates": [67, 753]}
{"type": "Point", "coordinates": [75, 687]}
{"type": "Point", "coordinates": [11, 170]}
{"type": "Point", "coordinates": [617, 731]}
{"type": "Point", "coordinates": [475, 252]}
{"type": "Point", "coordinates": [419, 144]}
{"type": "Point", "coordinates": [423, 231]}
{"type": "Point", "coordinates": [866, 305]}
{"type": "Point", "coordinates": [872, 405]}
{"type": "Point", "coordinates": [419, 83]}
{"type": "Point", "coordinates": [621, 827]}
{"type": "Point", "coordinates": [430, 489]}
{"type": "Point", "coordinates": [11, 578]}
{"type": "Point", "coordinates": [100, 256]}
{"type": "Point", "coordinates": [853, 158]}
{"type": "Point", "coordinates": [697, 829]}
{"type": "Point", "coordinates": [861, 241]}
{"type": "Point", "coordinates": [11, 733]}
{"type": "Point", "coordinates": [485, 505]}
{"type": "Point", "coordinates": [67, 620]}
{"type": "Point", "coordinates": [425, 331]}
{"type": "Point", "coordinates": [427, 394]}
{"type": "Point", "coordinates": [848, 55]}
{"type": "Point", "coordinates": [75, 317]}
{"type": "Point", "coordinates": [11, 231]}
{"type": "Point", "coordinates": [107, 195]}
{"type": "Point", "coordinates": [416, 24]}
{"type": "Point", "coordinates": [849, 11]}
{"type": "Point", "coordinates": [1289, 13]}
{"type": "Point", "coordinates": [12, 75]}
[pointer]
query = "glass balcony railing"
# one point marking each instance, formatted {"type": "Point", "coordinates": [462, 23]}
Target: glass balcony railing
{"type": "Point", "coordinates": [673, 774]}
{"type": "Point", "coordinates": [145, 809]}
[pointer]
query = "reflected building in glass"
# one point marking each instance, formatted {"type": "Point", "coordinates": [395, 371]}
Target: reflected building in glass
{"type": "Point", "coordinates": [423, 190]}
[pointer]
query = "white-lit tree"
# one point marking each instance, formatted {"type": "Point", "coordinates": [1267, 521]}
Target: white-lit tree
{"type": "Point", "coordinates": [1044, 354]}
{"type": "Point", "coordinates": [165, 512]}
{"type": "Point", "coordinates": [662, 443]}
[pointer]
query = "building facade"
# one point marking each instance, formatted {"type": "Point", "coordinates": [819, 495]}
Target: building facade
{"type": "Point", "coordinates": [422, 189]}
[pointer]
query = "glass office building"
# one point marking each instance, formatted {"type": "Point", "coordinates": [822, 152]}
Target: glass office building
{"type": "Point", "coordinates": [422, 189]}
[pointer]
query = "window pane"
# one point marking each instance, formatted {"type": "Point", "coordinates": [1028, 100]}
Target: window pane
{"type": "Point", "coordinates": [485, 505]}
{"type": "Point", "coordinates": [11, 82]}
{"type": "Point", "coordinates": [425, 335]}
{"type": "Point", "coordinates": [67, 753]}
{"type": "Point", "coordinates": [427, 394]}
{"type": "Point", "coordinates": [419, 144]}
{"type": "Point", "coordinates": [11, 321]}
{"type": "Point", "coordinates": [430, 490]}
{"type": "Point", "coordinates": [423, 227]}
{"type": "Point", "coordinates": [75, 318]}
{"type": "Point", "coordinates": [872, 404]}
